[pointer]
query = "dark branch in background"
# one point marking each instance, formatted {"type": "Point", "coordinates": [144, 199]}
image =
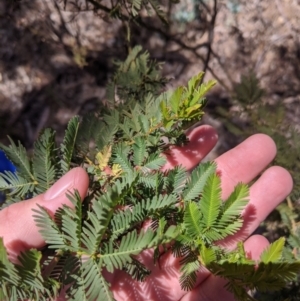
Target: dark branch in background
{"type": "Point", "coordinates": [224, 69]}
{"type": "Point", "coordinates": [62, 27]}
{"type": "Point", "coordinates": [169, 37]}
{"type": "Point", "coordinates": [186, 47]}
{"type": "Point", "coordinates": [210, 37]}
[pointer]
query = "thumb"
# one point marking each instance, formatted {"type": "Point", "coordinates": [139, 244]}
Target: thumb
{"type": "Point", "coordinates": [17, 226]}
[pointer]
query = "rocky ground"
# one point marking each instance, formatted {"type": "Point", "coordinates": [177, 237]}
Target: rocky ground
{"type": "Point", "coordinates": [55, 63]}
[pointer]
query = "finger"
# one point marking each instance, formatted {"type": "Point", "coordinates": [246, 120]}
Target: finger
{"type": "Point", "coordinates": [255, 245]}
{"type": "Point", "coordinates": [18, 228]}
{"type": "Point", "coordinates": [213, 287]}
{"type": "Point", "coordinates": [274, 185]}
{"type": "Point", "coordinates": [268, 192]}
{"type": "Point", "coordinates": [201, 141]}
{"type": "Point", "coordinates": [244, 162]}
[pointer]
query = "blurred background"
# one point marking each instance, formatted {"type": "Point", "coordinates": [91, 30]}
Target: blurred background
{"type": "Point", "coordinates": [58, 56]}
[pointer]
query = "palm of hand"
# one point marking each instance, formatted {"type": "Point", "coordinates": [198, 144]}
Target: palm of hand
{"type": "Point", "coordinates": [163, 282]}
{"type": "Point", "coordinates": [241, 164]}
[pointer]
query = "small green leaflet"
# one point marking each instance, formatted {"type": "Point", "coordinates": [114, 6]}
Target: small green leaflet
{"type": "Point", "coordinates": [273, 253]}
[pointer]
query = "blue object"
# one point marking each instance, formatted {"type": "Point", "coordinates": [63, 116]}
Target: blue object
{"type": "Point", "coordinates": [5, 165]}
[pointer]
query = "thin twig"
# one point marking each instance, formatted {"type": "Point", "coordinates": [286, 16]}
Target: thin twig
{"type": "Point", "coordinates": [210, 38]}
{"type": "Point", "coordinates": [138, 20]}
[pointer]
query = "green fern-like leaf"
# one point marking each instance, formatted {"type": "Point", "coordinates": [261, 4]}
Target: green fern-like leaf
{"type": "Point", "coordinates": [120, 154]}
{"type": "Point", "coordinates": [31, 275]}
{"type": "Point", "coordinates": [236, 201]}
{"type": "Point", "coordinates": [121, 150]}
{"type": "Point", "coordinates": [189, 278]}
{"type": "Point", "coordinates": [94, 284]}
{"type": "Point", "coordinates": [192, 220]}
{"type": "Point", "coordinates": [274, 251]}
{"type": "Point", "coordinates": [8, 272]}
{"type": "Point", "coordinates": [90, 128]}
{"type": "Point", "coordinates": [68, 145]}
{"type": "Point", "coordinates": [208, 255]}
{"type": "Point", "coordinates": [106, 129]}
{"type": "Point", "coordinates": [211, 202]}
{"type": "Point", "coordinates": [18, 155]}
{"type": "Point", "coordinates": [44, 168]}
{"type": "Point", "coordinates": [71, 223]}
{"type": "Point", "coordinates": [49, 229]}
{"type": "Point", "coordinates": [15, 185]}
{"type": "Point", "coordinates": [176, 180]}
{"type": "Point", "coordinates": [230, 221]}
{"type": "Point", "coordinates": [153, 162]}
{"type": "Point", "coordinates": [94, 228]}
{"type": "Point", "coordinates": [137, 270]}
{"type": "Point", "coordinates": [199, 176]}
{"type": "Point", "coordinates": [131, 244]}
{"type": "Point", "coordinates": [139, 151]}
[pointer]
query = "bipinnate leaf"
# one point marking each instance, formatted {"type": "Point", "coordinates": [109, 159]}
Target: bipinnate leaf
{"type": "Point", "coordinates": [137, 270]}
{"type": "Point", "coordinates": [103, 157]}
{"type": "Point", "coordinates": [241, 277]}
{"type": "Point", "coordinates": [122, 220]}
{"type": "Point", "coordinates": [192, 221]}
{"type": "Point", "coordinates": [8, 272]}
{"type": "Point", "coordinates": [197, 181]}
{"type": "Point", "coordinates": [18, 155]}
{"type": "Point", "coordinates": [120, 154]}
{"type": "Point", "coordinates": [205, 87]}
{"type": "Point", "coordinates": [121, 151]}
{"type": "Point", "coordinates": [230, 220]}
{"type": "Point", "coordinates": [274, 275]}
{"type": "Point", "coordinates": [71, 222]}
{"type": "Point", "coordinates": [106, 129]}
{"type": "Point", "coordinates": [89, 128]}
{"type": "Point", "coordinates": [30, 272]}
{"type": "Point", "coordinates": [236, 202]}
{"type": "Point", "coordinates": [131, 244]}
{"type": "Point", "coordinates": [211, 202]}
{"type": "Point", "coordinates": [194, 82]}
{"type": "Point", "coordinates": [26, 276]}
{"type": "Point", "coordinates": [16, 185]}
{"type": "Point", "coordinates": [95, 287]}
{"type": "Point", "coordinates": [273, 253]}
{"type": "Point", "coordinates": [49, 229]}
{"type": "Point", "coordinates": [100, 217]}
{"type": "Point", "coordinates": [45, 155]}
{"type": "Point", "coordinates": [144, 123]}
{"type": "Point", "coordinates": [188, 275]}
{"type": "Point", "coordinates": [94, 229]}
{"type": "Point", "coordinates": [68, 144]}
{"type": "Point", "coordinates": [139, 151]}
{"type": "Point", "coordinates": [153, 162]}
{"type": "Point", "coordinates": [175, 99]}
{"type": "Point", "coordinates": [177, 179]}
{"type": "Point", "coordinates": [207, 255]}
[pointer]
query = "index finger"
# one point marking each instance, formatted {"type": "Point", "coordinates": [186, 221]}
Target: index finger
{"type": "Point", "coordinates": [201, 141]}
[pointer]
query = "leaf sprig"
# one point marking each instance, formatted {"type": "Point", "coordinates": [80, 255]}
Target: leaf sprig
{"type": "Point", "coordinates": [121, 150]}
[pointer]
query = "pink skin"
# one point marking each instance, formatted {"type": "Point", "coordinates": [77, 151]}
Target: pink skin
{"type": "Point", "coordinates": [241, 164]}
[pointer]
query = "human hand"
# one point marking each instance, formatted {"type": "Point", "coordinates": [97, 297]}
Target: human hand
{"type": "Point", "coordinates": [241, 164]}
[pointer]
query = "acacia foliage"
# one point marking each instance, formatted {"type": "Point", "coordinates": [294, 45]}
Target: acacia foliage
{"type": "Point", "coordinates": [121, 149]}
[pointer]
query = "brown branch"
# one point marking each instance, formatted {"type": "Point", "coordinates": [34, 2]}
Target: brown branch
{"type": "Point", "coordinates": [138, 20]}
{"type": "Point", "coordinates": [210, 38]}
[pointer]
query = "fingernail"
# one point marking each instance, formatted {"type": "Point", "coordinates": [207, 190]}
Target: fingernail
{"type": "Point", "coordinates": [60, 187]}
